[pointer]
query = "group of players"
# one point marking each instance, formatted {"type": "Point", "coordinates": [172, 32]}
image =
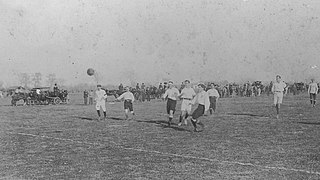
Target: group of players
{"type": "Point", "coordinates": [206, 100]}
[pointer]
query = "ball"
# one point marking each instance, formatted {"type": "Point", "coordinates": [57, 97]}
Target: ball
{"type": "Point", "coordinates": [90, 72]}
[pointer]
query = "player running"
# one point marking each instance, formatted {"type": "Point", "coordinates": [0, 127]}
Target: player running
{"type": "Point", "coordinates": [313, 91]}
{"type": "Point", "coordinates": [213, 97]}
{"type": "Point", "coordinates": [187, 94]}
{"type": "Point", "coordinates": [202, 99]}
{"type": "Point", "coordinates": [100, 98]}
{"type": "Point", "coordinates": [128, 100]}
{"type": "Point", "coordinates": [171, 95]}
{"type": "Point", "coordinates": [277, 89]}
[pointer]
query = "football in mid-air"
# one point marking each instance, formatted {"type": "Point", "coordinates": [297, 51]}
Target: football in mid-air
{"type": "Point", "coordinates": [90, 71]}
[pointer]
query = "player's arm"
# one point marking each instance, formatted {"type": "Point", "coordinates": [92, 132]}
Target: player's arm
{"type": "Point", "coordinates": [120, 97]}
{"type": "Point", "coordinates": [176, 94]}
{"type": "Point", "coordinates": [206, 102]}
{"type": "Point", "coordinates": [132, 97]}
{"type": "Point", "coordinates": [193, 93]}
{"type": "Point", "coordinates": [194, 100]}
{"type": "Point", "coordinates": [165, 94]}
{"type": "Point", "coordinates": [272, 88]}
{"type": "Point", "coordinates": [180, 94]}
{"type": "Point", "coordinates": [217, 94]}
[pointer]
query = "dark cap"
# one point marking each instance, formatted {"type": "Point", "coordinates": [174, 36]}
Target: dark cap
{"type": "Point", "coordinates": [99, 85]}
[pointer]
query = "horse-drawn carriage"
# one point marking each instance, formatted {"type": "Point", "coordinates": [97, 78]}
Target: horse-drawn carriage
{"type": "Point", "coordinates": [18, 93]}
{"type": "Point", "coordinates": [39, 96]}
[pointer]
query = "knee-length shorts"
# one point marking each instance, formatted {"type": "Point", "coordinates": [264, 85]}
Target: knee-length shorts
{"type": "Point", "coordinates": [101, 105]}
{"type": "Point", "coordinates": [128, 105]}
{"type": "Point", "coordinates": [186, 106]}
{"type": "Point", "coordinates": [198, 112]}
{"type": "Point", "coordinates": [171, 105]}
{"type": "Point", "coordinates": [277, 98]}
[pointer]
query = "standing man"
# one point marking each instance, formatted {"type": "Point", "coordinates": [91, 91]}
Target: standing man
{"type": "Point", "coordinates": [187, 94]}
{"type": "Point", "coordinates": [100, 98]}
{"type": "Point", "coordinates": [213, 97]}
{"type": "Point", "coordinates": [171, 95]}
{"type": "Point", "coordinates": [313, 91]}
{"type": "Point", "coordinates": [128, 99]}
{"type": "Point", "coordinates": [91, 94]}
{"type": "Point", "coordinates": [277, 90]}
{"type": "Point", "coordinates": [202, 99]}
{"type": "Point", "coordinates": [56, 89]}
{"type": "Point", "coordinates": [85, 97]}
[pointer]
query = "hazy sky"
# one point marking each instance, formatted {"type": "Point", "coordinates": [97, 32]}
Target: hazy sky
{"type": "Point", "coordinates": [151, 40]}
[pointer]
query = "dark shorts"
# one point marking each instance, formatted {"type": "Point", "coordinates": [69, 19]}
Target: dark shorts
{"type": "Point", "coordinates": [313, 96]}
{"type": "Point", "coordinates": [213, 101]}
{"type": "Point", "coordinates": [171, 105]}
{"type": "Point", "coordinates": [128, 105]}
{"type": "Point", "coordinates": [198, 112]}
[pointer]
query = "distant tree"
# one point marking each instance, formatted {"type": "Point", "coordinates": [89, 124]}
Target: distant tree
{"type": "Point", "coordinates": [24, 79]}
{"type": "Point", "coordinates": [36, 78]}
{"type": "Point", "coordinates": [51, 79]}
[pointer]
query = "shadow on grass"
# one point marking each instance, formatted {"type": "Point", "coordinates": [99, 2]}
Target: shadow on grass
{"type": "Point", "coordinates": [309, 123]}
{"type": "Point", "coordinates": [116, 118]}
{"type": "Point", "coordinates": [92, 119]}
{"type": "Point", "coordinates": [246, 114]}
{"type": "Point", "coordinates": [164, 124]}
{"type": "Point", "coordinates": [85, 118]}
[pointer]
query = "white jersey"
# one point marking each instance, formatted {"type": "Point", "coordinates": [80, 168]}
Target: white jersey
{"type": "Point", "coordinates": [203, 99]}
{"type": "Point", "coordinates": [172, 93]}
{"type": "Point", "coordinates": [187, 93]}
{"type": "Point", "coordinates": [278, 87]}
{"type": "Point", "coordinates": [313, 88]}
{"type": "Point", "coordinates": [213, 92]}
{"type": "Point", "coordinates": [100, 95]}
{"type": "Point", "coordinates": [127, 96]}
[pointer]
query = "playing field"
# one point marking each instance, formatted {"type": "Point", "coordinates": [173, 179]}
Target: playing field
{"type": "Point", "coordinates": [243, 140]}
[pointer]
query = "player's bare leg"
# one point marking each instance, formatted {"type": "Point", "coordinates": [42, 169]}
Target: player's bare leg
{"type": "Point", "coordinates": [278, 110]}
{"type": "Point", "coordinates": [104, 115]}
{"type": "Point", "coordinates": [99, 115]}
{"type": "Point", "coordinates": [185, 118]}
{"type": "Point", "coordinates": [182, 117]}
{"type": "Point", "coordinates": [170, 117]}
{"type": "Point", "coordinates": [126, 111]}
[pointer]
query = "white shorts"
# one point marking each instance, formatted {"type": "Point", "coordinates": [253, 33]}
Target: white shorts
{"type": "Point", "coordinates": [101, 104]}
{"type": "Point", "coordinates": [186, 106]}
{"type": "Point", "coordinates": [277, 98]}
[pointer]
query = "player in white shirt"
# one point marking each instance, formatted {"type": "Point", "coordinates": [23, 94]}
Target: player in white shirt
{"type": "Point", "coordinates": [171, 95]}
{"type": "Point", "coordinates": [187, 94]}
{"type": "Point", "coordinates": [128, 99]}
{"type": "Point", "coordinates": [313, 91]}
{"type": "Point", "coordinates": [277, 89]}
{"type": "Point", "coordinates": [100, 98]}
{"type": "Point", "coordinates": [202, 99]}
{"type": "Point", "coordinates": [213, 97]}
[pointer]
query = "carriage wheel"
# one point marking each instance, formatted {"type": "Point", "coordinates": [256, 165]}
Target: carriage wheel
{"type": "Point", "coordinates": [56, 100]}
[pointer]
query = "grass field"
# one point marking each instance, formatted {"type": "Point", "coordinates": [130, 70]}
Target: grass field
{"type": "Point", "coordinates": [243, 140]}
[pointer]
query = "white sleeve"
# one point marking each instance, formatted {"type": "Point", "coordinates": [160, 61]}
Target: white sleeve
{"type": "Point", "coordinates": [165, 94]}
{"type": "Point", "coordinates": [193, 93]}
{"type": "Point", "coordinates": [206, 102]}
{"type": "Point", "coordinates": [121, 96]}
